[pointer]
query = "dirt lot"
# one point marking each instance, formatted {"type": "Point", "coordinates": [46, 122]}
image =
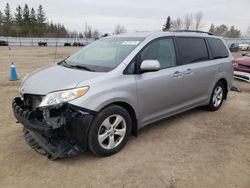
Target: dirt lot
{"type": "Point", "coordinates": [194, 149]}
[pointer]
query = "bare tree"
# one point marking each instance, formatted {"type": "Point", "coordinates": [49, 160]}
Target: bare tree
{"type": "Point", "coordinates": [88, 32]}
{"type": "Point", "coordinates": [198, 20]}
{"type": "Point", "coordinates": [119, 29]}
{"type": "Point", "coordinates": [96, 34]}
{"type": "Point", "coordinates": [177, 24]}
{"type": "Point", "coordinates": [188, 21]}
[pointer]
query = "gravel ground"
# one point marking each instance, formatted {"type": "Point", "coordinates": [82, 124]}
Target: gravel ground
{"type": "Point", "coordinates": [193, 149]}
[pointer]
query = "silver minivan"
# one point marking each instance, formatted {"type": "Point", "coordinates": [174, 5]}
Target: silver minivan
{"type": "Point", "coordinates": [99, 96]}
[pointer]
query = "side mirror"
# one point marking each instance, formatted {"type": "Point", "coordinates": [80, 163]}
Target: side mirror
{"type": "Point", "coordinates": [150, 66]}
{"type": "Point", "coordinates": [244, 54]}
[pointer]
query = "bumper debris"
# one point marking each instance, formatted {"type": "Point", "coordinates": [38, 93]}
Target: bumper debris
{"type": "Point", "coordinates": [57, 131]}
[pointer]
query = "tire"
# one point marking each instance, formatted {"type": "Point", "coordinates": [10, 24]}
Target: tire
{"type": "Point", "coordinates": [32, 143]}
{"type": "Point", "coordinates": [109, 131]}
{"type": "Point", "coordinates": [217, 97]}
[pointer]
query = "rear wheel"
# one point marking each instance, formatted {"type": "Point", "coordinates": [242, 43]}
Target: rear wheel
{"type": "Point", "coordinates": [217, 97]}
{"type": "Point", "coordinates": [109, 131]}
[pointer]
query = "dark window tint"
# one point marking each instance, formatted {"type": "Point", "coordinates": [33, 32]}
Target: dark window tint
{"type": "Point", "coordinates": [162, 50]}
{"type": "Point", "coordinates": [192, 50]}
{"type": "Point", "coordinates": [218, 48]}
{"type": "Point", "coordinates": [131, 68]}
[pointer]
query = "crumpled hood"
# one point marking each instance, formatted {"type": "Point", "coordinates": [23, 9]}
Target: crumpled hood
{"type": "Point", "coordinates": [54, 78]}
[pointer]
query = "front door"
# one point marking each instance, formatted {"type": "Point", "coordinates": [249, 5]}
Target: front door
{"type": "Point", "coordinates": [159, 93]}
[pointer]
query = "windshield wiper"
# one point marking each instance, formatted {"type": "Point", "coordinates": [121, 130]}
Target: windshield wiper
{"type": "Point", "coordinates": [82, 67]}
{"type": "Point", "coordinates": [64, 63]}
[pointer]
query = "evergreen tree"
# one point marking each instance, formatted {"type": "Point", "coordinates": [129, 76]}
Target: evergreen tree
{"type": "Point", "coordinates": [41, 21]}
{"type": "Point", "coordinates": [168, 25]}
{"type": "Point", "coordinates": [222, 30]}
{"type": "Point", "coordinates": [7, 21]}
{"type": "Point", "coordinates": [18, 15]}
{"type": "Point", "coordinates": [7, 17]}
{"type": "Point", "coordinates": [33, 19]}
{"type": "Point", "coordinates": [1, 18]}
{"type": "Point", "coordinates": [212, 28]}
{"type": "Point", "coordinates": [33, 22]}
{"type": "Point", "coordinates": [30, 23]}
{"type": "Point", "coordinates": [41, 16]}
{"type": "Point", "coordinates": [1, 22]}
{"type": "Point", "coordinates": [26, 14]}
{"type": "Point", "coordinates": [233, 32]}
{"type": "Point", "coordinates": [26, 28]}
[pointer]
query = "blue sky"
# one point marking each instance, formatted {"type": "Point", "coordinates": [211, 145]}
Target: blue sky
{"type": "Point", "coordinates": [138, 15]}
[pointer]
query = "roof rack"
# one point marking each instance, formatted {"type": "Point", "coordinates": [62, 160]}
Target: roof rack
{"type": "Point", "coordinates": [193, 31]}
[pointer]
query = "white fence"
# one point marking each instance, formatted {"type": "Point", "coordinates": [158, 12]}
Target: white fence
{"type": "Point", "coordinates": [25, 41]}
{"type": "Point", "coordinates": [229, 41]}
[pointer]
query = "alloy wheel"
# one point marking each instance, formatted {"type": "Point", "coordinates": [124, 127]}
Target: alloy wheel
{"type": "Point", "coordinates": [112, 131]}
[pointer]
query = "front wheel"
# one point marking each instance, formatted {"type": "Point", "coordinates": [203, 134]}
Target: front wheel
{"type": "Point", "coordinates": [217, 97]}
{"type": "Point", "coordinates": [109, 131]}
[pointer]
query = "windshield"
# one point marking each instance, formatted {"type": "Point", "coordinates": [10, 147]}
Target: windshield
{"type": "Point", "coordinates": [103, 55]}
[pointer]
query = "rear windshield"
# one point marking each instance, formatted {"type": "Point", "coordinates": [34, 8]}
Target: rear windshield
{"type": "Point", "coordinates": [105, 54]}
{"type": "Point", "coordinates": [218, 48]}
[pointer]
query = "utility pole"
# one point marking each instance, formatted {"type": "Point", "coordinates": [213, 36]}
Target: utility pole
{"type": "Point", "coordinates": [86, 31]}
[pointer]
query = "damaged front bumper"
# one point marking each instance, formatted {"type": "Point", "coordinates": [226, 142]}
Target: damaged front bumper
{"type": "Point", "coordinates": [60, 130]}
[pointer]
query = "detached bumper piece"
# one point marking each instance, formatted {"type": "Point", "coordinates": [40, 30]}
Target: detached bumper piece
{"type": "Point", "coordinates": [58, 131]}
{"type": "Point", "coordinates": [242, 76]}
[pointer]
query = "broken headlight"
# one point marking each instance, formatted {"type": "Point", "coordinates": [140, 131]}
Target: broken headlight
{"type": "Point", "coordinates": [63, 96]}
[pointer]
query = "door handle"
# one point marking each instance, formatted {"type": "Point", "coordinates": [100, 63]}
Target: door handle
{"type": "Point", "coordinates": [177, 74]}
{"type": "Point", "coordinates": [188, 71]}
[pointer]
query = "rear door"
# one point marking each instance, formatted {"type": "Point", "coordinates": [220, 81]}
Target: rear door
{"type": "Point", "coordinates": [198, 70]}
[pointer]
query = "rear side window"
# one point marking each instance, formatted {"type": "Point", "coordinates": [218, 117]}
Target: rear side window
{"type": "Point", "coordinates": [218, 48]}
{"type": "Point", "coordinates": [192, 50]}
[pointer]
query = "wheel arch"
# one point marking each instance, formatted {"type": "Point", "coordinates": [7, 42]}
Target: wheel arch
{"type": "Point", "coordinates": [132, 113]}
{"type": "Point", "coordinates": [224, 81]}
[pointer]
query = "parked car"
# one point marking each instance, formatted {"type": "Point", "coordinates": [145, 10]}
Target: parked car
{"type": "Point", "coordinates": [40, 43]}
{"type": "Point", "coordinates": [234, 47]}
{"type": "Point", "coordinates": [99, 96]}
{"type": "Point", "coordinates": [242, 67]}
{"type": "Point", "coordinates": [244, 46]}
{"type": "Point", "coordinates": [4, 43]}
{"type": "Point", "coordinates": [78, 44]}
{"type": "Point", "coordinates": [67, 44]}
{"type": "Point", "coordinates": [242, 64]}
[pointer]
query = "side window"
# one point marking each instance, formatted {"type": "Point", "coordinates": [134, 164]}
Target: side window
{"type": "Point", "coordinates": [218, 49]}
{"type": "Point", "coordinates": [131, 67]}
{"type": "Point", "coordinates": [162, 50]}
{"type": "Point", "coordinates": [192, 50]}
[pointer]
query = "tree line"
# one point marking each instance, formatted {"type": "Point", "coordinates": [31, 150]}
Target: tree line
{"type": "Point", "coordinates": [192, 21]}
{"type": "Point", "coordinates": [28, 22]}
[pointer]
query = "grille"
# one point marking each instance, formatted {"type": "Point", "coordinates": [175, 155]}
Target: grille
{"type": "Point", "coordinates": [32, 101]}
